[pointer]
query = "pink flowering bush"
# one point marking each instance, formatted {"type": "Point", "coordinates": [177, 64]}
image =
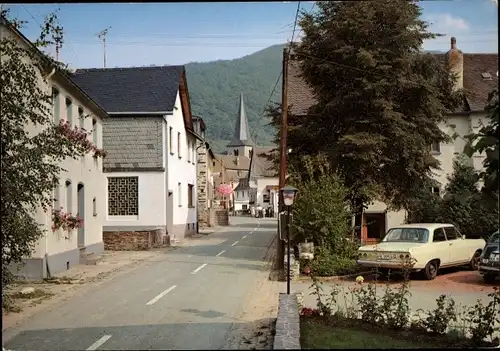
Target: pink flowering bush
{"type": "Point", "coordinates": [65, 220]}
{"type": "Point", "coordinates": [225, 189]}
{"type": "Point", "coordinates": [80, 136]}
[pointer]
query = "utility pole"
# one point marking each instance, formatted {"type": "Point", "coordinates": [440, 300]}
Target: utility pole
{"type": "Point", "coordinates": [280, 245]}
{"type": "Point", "coordinates": [102, 35]}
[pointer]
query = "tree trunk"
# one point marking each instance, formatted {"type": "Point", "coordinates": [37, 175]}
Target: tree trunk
{"type": "Point", "coordinates": [357, 206]}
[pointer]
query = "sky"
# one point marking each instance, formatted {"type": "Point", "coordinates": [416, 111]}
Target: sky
{"type": "Point", "coordinates": [142, 34]}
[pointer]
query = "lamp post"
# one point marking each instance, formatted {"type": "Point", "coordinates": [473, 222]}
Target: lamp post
{"type": "Point", "coordinates": [289, 193]}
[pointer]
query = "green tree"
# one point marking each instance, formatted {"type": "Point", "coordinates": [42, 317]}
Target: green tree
{"type": "Point", "coordinates": [30, 161]}
{"type": "Point", "coordinates": [487, 141]}
{"type": "Point", "coordinates": [379, 98]}
{"type": "Point", "coordinates": [475, 213]}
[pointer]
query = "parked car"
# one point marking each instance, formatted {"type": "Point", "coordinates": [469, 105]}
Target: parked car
{"type": "Point", "coordinates": [489, 261]}
{"type": "Point", "coordinates": [429, 247]}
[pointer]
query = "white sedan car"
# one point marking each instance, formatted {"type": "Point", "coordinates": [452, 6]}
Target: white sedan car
{"type": "Point", "coordinates": [429, 246]}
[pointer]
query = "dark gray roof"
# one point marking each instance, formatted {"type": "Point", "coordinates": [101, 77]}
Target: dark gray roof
{"type": "Point", "coordinates": [134, 89]}
{"type": "Point", "coordinates": [242, 135]}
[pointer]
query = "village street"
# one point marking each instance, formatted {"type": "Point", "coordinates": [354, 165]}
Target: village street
{"type": "Point", "coordinates": [190, 298]}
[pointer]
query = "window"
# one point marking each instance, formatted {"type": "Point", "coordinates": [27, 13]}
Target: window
{"type": "Point", "coordinates": [69, 197]}
{"type": "Point", "coordinates": [244, 207]}
{"type": "Point", "coordinates": [451, 233]}
{"type": "Point", "coordinates": [94, 131]}
{"type": "Point", "coordinates": [94, 207]}
{"type": "Point", "coordinates": [170, 141]}
{"type": "Point", "coordinates": [123, 196]}
{"type": "Point", "coordinates": [179, 194]}
{"type": "Point", "coordinates": [435, 190]}
{"type": "Point", "coordinates": [81, 118]}
{"type": "Point", "coordinates": [57, 198]}
{"type": "Point", "coordinates": [265, 198]}
{"type": "Point", "coordinates": [439, 235]}
{"type": "Point", "coordinates": [236, 152]}
{"type": "Point", "coordinates": [56, 105]}
{"type": "Point", "coordinates": [69, 111]}
{"type": "Point", "coordinates": [190, 195]}
{"type": "Point", "coordinates": [189, 151]}
{"type": "Point", "coordinates": [179, 144]}
{"type": "Point", "coordinates": [436, 147]}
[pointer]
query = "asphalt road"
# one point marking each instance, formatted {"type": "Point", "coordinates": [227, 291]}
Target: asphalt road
{"type": "Point", "coordinates": [187, 300]}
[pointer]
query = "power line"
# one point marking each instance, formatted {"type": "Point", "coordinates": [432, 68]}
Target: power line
{"type": "Point", "coordinates": [295, 21]}
{"type": "Point", "coordinates": [254, 134]}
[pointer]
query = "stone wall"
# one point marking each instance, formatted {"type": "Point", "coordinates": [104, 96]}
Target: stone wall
{"type": "Point", "coordinates": [221, 217]}
{"type": "Point", "coordinates": [134, 240]}
{"type": "Point", "coordinates": [287, 335]}
{"type": "Point", "coordinates": [202, 188]}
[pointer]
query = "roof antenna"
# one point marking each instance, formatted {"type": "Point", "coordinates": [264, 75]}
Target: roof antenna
{"type": "Point", "coordinates": [102, 35]}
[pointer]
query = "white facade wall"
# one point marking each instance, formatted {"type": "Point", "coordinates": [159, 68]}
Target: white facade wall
{"type": "Point", "coordinates": [460, 126]}
{"type": "Point", "coordinates": [152, 203]}
{"type": "Point", "coordinates": [86, 171]}
{"type": "Point", "coordinates": [181, 169]}
{"type": "Point", "coordinates": [261, 187]}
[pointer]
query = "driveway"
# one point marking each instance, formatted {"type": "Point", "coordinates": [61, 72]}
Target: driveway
{"type": "Point", "coordinates": [189, 298]}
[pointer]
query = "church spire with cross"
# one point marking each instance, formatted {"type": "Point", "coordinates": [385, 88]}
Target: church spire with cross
{"type": "Point", "coordinates": [242, 141]}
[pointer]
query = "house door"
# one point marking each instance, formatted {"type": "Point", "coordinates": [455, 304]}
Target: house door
{"type": "Point", "coordinates": [81, 214]}
{"type": "Point", "coordinates": [170, 213]}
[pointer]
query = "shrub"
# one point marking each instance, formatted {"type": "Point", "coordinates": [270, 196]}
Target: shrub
{"type": "Point", "coordinates": [321, 212]}
{"type": "Point", "coordinates": [326, 263]}
{"type": "Point", "coordinates": [438, 320]}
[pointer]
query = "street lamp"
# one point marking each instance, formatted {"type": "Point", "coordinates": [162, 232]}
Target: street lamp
{"type": "Point", "coordinates": [289, 193]}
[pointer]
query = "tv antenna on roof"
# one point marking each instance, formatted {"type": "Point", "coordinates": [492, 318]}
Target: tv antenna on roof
{"type": "Point", "coordinates": [102, 35]}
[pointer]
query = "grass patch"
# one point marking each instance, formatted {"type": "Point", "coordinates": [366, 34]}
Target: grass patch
{"type": "Point", "coordinates": [342, 333]}
{"type": "Point", "coordinates": [37, 293]}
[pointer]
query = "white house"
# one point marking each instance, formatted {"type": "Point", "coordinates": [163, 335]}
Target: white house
{"type": "Point", "coordinates": [264, 180]}
{"type": "Point", "coordinates": [151, 145]}
{"type": "Point", "coordinates": [477, 75]}
{"type": "Point", "coordinates": [81, 188]}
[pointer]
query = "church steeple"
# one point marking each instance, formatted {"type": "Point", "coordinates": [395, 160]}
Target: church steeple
{"type": "Point", "coordinates": [242, 135]}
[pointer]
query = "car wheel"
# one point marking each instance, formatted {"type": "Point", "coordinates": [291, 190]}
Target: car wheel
{"type": "Point", "coordinates": [489, 277]}
{"type": "Point", "coordinates": [431, 270]}
{"type": "Point", "coordinates": [474, 262]}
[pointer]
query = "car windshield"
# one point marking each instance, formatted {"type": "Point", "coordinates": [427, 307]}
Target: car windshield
{"type": "Point", "coordinates": [495, 238]}
{"type": "Point", "coordinates": [413, 235]}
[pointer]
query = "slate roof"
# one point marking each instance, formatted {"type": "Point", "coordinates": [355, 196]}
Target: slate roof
{"type": "Point", "coordinates": [134, 89]}
{"type": "Point", "coordinates": [241, 135]}
{"type": "Point", "coordinates": [300, 96]}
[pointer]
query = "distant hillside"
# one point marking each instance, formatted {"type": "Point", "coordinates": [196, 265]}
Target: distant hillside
{"type": "Point", "coordinates": [214, 89]}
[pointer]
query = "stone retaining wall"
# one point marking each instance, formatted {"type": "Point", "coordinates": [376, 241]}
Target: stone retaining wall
{"type": "Point", "coordinates": [287, 335]}
{"type": "Point", "coordinates": [134, 240]}
{"type": "Point", "coordinates": [222, 217]}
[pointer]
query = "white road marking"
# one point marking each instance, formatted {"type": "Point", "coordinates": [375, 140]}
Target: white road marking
{"type": "Point", "coordinates": [199, 268]}
{"type": "Point", "coordinates": [220, 253]}
{"type": "Point", "coordinates": [160, 295]}
{"type": "Point", "coordinates": [237, 241]}
{"type": "Point", "coordinates": [99, 342]}
{"type": "Point", "coordinates": [243, 237]}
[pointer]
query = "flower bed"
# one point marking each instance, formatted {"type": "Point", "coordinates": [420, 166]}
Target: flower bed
{"type": "Point", "coordinates": [366, 319]}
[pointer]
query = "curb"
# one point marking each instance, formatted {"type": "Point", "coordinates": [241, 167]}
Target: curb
{"type": "Point", "coordinates": [305, 279]}
{"type": "Point", "coordinates": [287, 332]}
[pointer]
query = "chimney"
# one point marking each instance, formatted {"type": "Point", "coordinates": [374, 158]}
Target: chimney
{"type": "Point", "coordinates": [455, 61]}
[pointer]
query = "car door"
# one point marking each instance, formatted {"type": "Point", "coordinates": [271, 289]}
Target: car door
{"type": "Point", "coordinates": [441, 246]}
{"type": "Point", "coordinates": [459, 252]}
